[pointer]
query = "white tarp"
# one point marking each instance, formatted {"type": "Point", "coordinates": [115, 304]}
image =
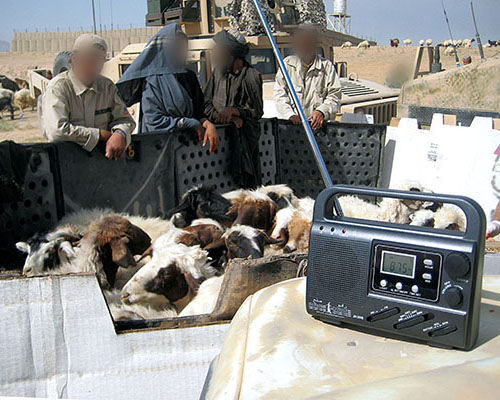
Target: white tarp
{"type": "Point", "coordinates": [449, 159]}
{"type": "Point", "coordinates": [58, 340]}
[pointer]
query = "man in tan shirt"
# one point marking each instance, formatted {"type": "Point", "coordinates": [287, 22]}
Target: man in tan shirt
{"type": "Point", "coordinates": [84, 107]}
{"type": "Point", "coordinates": [314, 79]}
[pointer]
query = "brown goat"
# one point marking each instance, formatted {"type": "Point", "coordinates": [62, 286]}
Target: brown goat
{"type": "Point", "coordinates": [258, 214]}
{"type": "Point", "coordinates": [299, 230]}
{"type": "Point", "coordinates": [116, 241]}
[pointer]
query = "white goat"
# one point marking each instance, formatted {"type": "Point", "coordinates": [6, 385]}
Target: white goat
{"type": "Point", "coordinates": [172, 277]}
{"type": "Point", "coordinates": [365, 44]}
{"type": "Point", "coordinates": [407, 42]}
{"type": "Point", "coordinates": [346, 45]}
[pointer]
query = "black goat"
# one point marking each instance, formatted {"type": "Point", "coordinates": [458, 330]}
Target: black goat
{"type": "Point", "coordinates": [200, 202]}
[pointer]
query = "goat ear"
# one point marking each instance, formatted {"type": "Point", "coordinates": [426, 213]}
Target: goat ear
{"type": "Point", "coordinates": [217, 245]}
{"type": "Point", "coordinates": [121, 254]}
{"type": "Point", "coordinates": [66, 250]}
{"type": "Point", "coordinates": [192, 282]}
{"type": "Point", "coordinates": [23, 247]}
{"type": "Point", "coordinates": [139, 240]}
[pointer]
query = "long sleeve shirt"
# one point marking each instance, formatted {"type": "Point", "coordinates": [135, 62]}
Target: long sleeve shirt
{"type": "Point", "coordinates": [73, 112]}
{"type": "Point", "coordinates": [318, 88]}
{"type": "Point", "coordinates": [242, 91]}
{"type": "Point", "coordinates": [164, 109]}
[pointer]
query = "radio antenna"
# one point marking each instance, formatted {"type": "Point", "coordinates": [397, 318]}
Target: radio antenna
{"type": "Point", "coordinates": [451, 35]}
{"type": "Point", "coordinates": [478, 38]}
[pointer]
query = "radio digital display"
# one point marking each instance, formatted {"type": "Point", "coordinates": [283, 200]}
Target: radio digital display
{"type": "Point", "coordinates": [398, 264]}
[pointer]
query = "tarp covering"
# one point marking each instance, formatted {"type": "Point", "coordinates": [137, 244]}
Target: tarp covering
{"type": "Point", "coordinates": [58, 341]}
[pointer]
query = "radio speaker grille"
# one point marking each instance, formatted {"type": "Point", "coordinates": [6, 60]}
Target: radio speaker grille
{"type": "Point", "coordinates": [336, 268]}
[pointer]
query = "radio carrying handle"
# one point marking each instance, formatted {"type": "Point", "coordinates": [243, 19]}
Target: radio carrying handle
{"type": "Point", "coordinates": [327, 202]}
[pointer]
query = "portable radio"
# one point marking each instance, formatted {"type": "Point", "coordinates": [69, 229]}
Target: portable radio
{"type": "Point", "coordinates": [416, 282]}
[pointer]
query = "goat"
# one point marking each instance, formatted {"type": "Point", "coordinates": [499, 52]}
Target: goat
{"type": "Point", "coordinates": [124, 312]}
{"type": "Point", "coordinates": [109, 244]}
{"type": "Point", "coordinates": [242, 241]}
{"type": "Point", "coordinates": [23, 99]}
{"type": "Point", "coordinates": [52, 250]}
{"type": "Point", "coordinates": [282, 195]}
{"type": "Point", "coordinates": [9, 84]}
{"type": "Point", "coordinates": [206, 298]}
{"type": "Point", "coordinates": [171, 278]}
{"type": "Point", "coordinates": [22, 83]}
{"type": "Point", "coordinates": [394, 42]}
{"type": "Point", "coordinates": [252, 208]}
{"type": "Point", "coordinates": [492, 43]}
{"type": "Point", "coordinates": [407, 42]}
{"type": "Point", "coordinates": [200, 202]}
{"type": "Point", "coordinates": [346, 45]}
{"type": "Point", "coordinates": [365, 44]}
{"type": "Point", "coordinates": [6, 99]}
{"type": "Point", "coordinates": [449, 217]}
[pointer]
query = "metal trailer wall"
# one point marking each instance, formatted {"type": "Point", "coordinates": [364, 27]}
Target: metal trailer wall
{"type": "Point", "coordinates": [161, 167]}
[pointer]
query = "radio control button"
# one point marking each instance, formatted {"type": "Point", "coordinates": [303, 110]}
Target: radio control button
{"type": "Point", "coordinates": [443, 331]}
{"type": "Point", "coordinates": [399, 286]}
{"type": "Point", "coordinates": [428, 262]}
{"type": "Point", "coordinates": [457, 265]}
{"type": "Point", "coordinates": [427, 276]}
{"type": "Point", "coordinates": [383, 314]}
{"type": "Point", "coordinates": [454, 296]}
{"type": "Point", "coordinates": [414, 289]}
{"type": "Point", "coordinates": [383, 283]}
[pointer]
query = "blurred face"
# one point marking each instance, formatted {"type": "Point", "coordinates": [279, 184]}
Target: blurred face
{"type": "Point", "coordinates": [87, 66]}
{"type": "Point", "coordinates": [305, 45]}
{"type": "Point", "coordinates": [223, 57]}
{"type": "Point", "coordinates": [181, 49]}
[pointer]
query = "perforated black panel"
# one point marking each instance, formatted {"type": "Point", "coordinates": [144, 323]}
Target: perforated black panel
{"type": "Point", "coordinates": [268, 151]}
{"type": "Point", "coordinates": [194, 165]}
{"type": "Point", "coordinates": [352, 154]}
{"type": "Point", "coordinates": [334, 270]}
{"type": "Point", "coordinates": [37, 211]}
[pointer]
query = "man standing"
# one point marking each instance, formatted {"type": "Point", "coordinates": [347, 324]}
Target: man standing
{"type": "Point", "coordinates": [314, 79]}
{"type": "Point", "coordinates": [84, 107]}
{"type": "Point", "coordinates": [234, 95]}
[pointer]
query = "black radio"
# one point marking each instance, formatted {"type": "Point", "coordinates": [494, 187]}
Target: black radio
{"type": "Point", "coordinates": [417, 282]}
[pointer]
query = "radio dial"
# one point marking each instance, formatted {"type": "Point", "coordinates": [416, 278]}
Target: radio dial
{"type": "Point", "coordinates": [454, 296]}
{"type": "Point", "coordinates": [457, 265]}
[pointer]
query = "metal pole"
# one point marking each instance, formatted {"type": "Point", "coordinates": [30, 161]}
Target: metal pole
{"type": "Point", "coordinates": [93, 17]}
{"type": "Point", "coordinates": [310, 135]}
{"type": "Point", "coordinates": [451, 35]}
{"type": "Point", "coordinates": [478, 38]}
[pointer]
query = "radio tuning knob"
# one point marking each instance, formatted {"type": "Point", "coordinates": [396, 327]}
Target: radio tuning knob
{"type": "Point", "coordinates": [453, 296]}
{"type": "Point", "coordinates": [457, 265]}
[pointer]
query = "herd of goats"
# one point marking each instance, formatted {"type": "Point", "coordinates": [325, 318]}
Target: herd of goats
{"type": "Point", "coordinates": [153, 268]}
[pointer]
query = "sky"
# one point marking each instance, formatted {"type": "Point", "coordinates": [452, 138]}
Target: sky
{"type": "Point", "coordinates": [376, 19]}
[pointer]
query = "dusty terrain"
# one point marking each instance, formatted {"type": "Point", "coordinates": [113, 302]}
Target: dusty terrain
{"type": "Point", "coordinates": [373, 64]}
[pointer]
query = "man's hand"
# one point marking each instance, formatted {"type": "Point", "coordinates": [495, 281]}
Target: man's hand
{"type": "Point", "coordinates": [210, 136]}
{"type": "Point", "coordinates": [295, 119]}
{"type": "Point", "coordinates": [115, 146]}
{"type": "Point", "coordinates": [317, 118]}
{"type": "Point", "coordinates": [227, 114]}
{"type": "Point", "coordinates": [104, 135]}
{"type": "Point", "coordinates": [237, 121]}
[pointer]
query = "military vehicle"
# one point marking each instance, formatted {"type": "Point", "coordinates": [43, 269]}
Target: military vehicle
{"type": "Point", "coordinates": [203, 19]}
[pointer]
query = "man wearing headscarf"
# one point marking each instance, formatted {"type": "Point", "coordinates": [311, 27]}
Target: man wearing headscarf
{"type": "Point", "coordinates": [234, 95]}
{"type": "Point", "coordinates": [169, 93]}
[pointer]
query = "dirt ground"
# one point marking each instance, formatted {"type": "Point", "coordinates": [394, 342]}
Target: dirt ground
{"type": "Point", "coordinates": [373, 64]}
